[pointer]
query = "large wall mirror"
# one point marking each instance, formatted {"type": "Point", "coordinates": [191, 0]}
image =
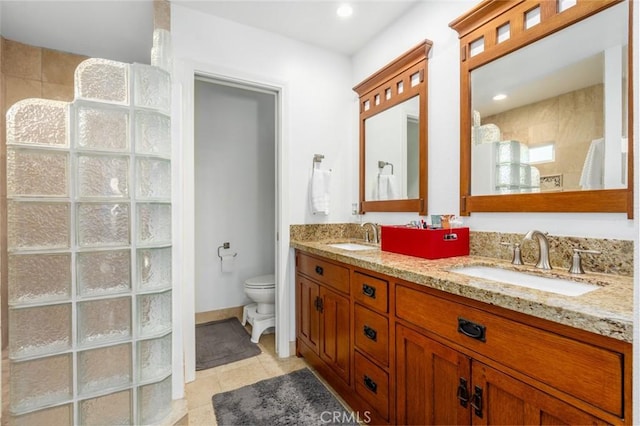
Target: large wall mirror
{"type": "Point", "coordinates": [393, 136]}
{"type": "Point", "coordinates": [546, 107]}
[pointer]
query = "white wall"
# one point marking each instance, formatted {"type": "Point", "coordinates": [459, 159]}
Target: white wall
{"type": "Point", "coordinates": [430, 20]}
{"type": "Point", "coordinates": [235, 191]}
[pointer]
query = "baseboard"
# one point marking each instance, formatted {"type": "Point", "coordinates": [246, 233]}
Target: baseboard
{"type": "Point", "coordinates": [219, 314]}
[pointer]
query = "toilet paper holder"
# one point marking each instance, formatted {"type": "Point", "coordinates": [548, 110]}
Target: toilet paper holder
{"type": "Point", "coordinates": [225, 246]}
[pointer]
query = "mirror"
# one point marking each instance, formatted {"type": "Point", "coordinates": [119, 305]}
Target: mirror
{"type": "Point", "coordinates": [393, 136]}
{"type": "Point", "coordinates": [551, 129]}
{"type": "Point", "coordinates": [561, 140]}
{"type": "Point", "coordinates": [392, 151]}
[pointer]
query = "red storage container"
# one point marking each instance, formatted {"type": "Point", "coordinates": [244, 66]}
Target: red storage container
{"type": "Point", "coordinates": [425, 243]}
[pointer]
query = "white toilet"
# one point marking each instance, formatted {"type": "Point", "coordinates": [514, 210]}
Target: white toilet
{"type": "Point", "coordinates": [261, 314]}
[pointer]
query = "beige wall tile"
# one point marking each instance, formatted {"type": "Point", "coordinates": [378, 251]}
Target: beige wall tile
{"type": "Point", "coordinates": [59, 67]}
{"type": "Point", "coordinates": [57, 92]}
{"type": "Point", "coordinates": [21, 60]}
{"type": "Point", "coordinates": [17, 89]}
{"type": "Point", "coordinates": [161, 15]}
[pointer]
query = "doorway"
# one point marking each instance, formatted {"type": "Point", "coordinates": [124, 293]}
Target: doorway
{"type": "Point", "coordinates": [235, 166]}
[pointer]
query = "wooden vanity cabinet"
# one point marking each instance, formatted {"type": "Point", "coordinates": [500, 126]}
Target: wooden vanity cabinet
{"type": "Point", "coordinates": [322, 314]}
{"type": "Point", "coordinates": [403, 353]}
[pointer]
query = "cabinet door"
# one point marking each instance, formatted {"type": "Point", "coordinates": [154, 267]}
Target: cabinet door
{"type": "Point", "coordinates": [499, 399]}
{"type": "Point", "coordinates": [308, 315]}
{"type": "Point", "coordinates": [428, 379]}
{"type": "Point", "coordinates": [334, 332]}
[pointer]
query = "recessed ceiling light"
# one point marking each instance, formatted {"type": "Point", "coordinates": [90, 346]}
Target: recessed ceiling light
{"type": "Point", "coordinates": [499, 97]}
{"type": "Point", "coordinates": [344, 10]}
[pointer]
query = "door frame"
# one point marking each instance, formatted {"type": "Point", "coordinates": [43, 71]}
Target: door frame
{"type": "Point", "coordinates": [183, 183]}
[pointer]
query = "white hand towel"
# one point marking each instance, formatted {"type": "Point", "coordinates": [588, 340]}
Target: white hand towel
{"type": "Point", "coordinates": [319, 191]}
{"type": "Point", "coordinates": [388, 187]}
{"type": "Point", "coordinates": [593, 170]}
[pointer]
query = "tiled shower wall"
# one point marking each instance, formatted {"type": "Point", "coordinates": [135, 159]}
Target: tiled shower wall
{"type": "Point", "coordinates": [89, 243]}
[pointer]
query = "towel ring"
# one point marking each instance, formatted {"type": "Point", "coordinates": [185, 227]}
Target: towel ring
{"type": "Point", "coordinates": [382, 165]}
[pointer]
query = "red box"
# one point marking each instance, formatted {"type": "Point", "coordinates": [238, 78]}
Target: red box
{"type": "Point", "coordinates": [425, 243]}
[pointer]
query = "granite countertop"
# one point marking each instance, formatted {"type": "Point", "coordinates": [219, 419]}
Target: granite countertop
{"type": "Point", "coordinates": [607, 311]}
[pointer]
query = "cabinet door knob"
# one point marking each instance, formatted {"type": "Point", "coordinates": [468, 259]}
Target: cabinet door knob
{"type": "Point", "coordinates": [463, 392]}
{"type": "Point", "coordinates": [476, 401]}
{"type": "Point", "coordinates": [370, 333]}
{"type": "Point", "coordinates": [369, 291]}
{"type": "Point", "coordinates": [370, 384]}
{"type": "Point", "coordinates": [319, 270]}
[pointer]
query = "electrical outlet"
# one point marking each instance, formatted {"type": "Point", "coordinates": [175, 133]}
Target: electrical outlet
{"type": "Point", "coordinates": [354, 208]}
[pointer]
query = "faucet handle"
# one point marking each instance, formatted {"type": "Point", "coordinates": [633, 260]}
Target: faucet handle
{"type": "Point", "coordinates": [517, 253]}
{"type": "Point", "coordinates": [576, 262]}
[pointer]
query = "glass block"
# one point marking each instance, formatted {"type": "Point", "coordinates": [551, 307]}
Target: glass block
{"type": "Point", "coordinates": [152, 87]}
{"type": "Point", "coordinates": [103, 272]}
{"type": "Point", "coordinates": [153, 133]}
{"type": "Point", "coordinates": [37, 173]}
{"type": "Point", "coordinates": [104, 368]}
{"type": "Point", "coordinates": [153, 178]}
{"type": "Point", "coordinates": [103, 224]}
{"type": "Point", "coordinates": [113, 409]}
{"type": "Point", "coordinates": [154, 401]}
{"type": "Point", "coordinates": [103, 80]}
{"type": "Point", "coordinates": [39, 330]}
{"type": "Point", "coordinates": [103, 176]}
{"type": "Point", "coordinates": [161, 51]}
{"type": "Point", "coordinates": [102, 128]}
{"type": "Point", "coordinates": [61, 415]}
{"type": "Point", "coordinates": [104, 320]}
{"type": "Point", "coordinates": [154, 358]}
{"type": "Point", "coordinates": [154, 268]}
{"type": "Point", "coordinates": [40, 382]}
{"type": "Point", "coordinates": [38, 225]}
{"type": "Point", "coordinates": [513, 175]}
{"type": "Point", "coordinates": [37, 278]}
{"type": "Point", "coordinates": [154, 223]}
{"type": "Point", "coordinates": [476, 47]}
{"type": "Point", "coordinates": [154, 313]}
{"type": "Point", "coordinates": [511, 152]}
{"type": "Point", "coordinates": [38, 122]}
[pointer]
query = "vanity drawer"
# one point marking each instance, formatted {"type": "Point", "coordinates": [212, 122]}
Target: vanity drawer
{"type": "Point", "coordinates": [325, 272]}
{"type": "Point", "coordinates": [372, 334]}
{"type": "Point", "coordinates": [370, 291]}
{"type": "Point", "coordinates": [372, 384]}
{"type": "Point", "coordinates": [588, 372]}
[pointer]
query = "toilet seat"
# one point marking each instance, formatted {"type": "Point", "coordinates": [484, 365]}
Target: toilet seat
{"type": "Point", "coordinates": [263, 281]}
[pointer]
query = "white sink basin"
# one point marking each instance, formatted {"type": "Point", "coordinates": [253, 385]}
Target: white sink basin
{"type": "Point", "coordinates": [522, 279]}
{"type": "Point", "coordinates": [351, 246]}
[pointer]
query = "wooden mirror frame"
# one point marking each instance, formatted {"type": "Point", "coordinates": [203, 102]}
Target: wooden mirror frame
{"type": "Point", "coordinates": [483, 21]}
{"type": "Point", "coordinates": [375, 88]}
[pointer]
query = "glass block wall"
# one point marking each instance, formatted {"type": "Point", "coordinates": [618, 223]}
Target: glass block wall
{"type": "Point", "coordinates": [89, 237]}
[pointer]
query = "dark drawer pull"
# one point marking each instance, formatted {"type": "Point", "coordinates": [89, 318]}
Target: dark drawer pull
{"type": "Point", "coordinates": [371, 333]}
{"type": "Point", "coordinates": [319, 270]}
{"type": "Point", "coordinates": [471, 329]}
{"type": "Point", "coordinates": [463, 392]}
{"type": "Point", "coordinates": [370, 384]}
{"type": "Point", "coordinates": [369, 291]}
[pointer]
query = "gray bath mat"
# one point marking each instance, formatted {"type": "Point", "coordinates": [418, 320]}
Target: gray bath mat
{"type": "Point", "coordinates": [222, 342]}
{"type": "Point", "coordinates": [297, 398]}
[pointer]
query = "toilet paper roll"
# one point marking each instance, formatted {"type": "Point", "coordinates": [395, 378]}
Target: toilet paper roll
{"type": "Point", "coordinates": [228, 263]}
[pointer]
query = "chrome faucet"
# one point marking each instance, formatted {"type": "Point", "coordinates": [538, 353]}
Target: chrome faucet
{"type": "Point", "coordinates": [543, 246]}
{"type": "Point", "coordinates": [367, 236]}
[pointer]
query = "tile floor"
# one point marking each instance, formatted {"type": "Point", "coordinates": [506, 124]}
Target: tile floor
{"type": "Point", "coordinates": [235, 375]}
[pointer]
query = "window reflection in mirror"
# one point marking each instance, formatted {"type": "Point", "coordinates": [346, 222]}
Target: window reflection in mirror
{"type": "Point", "coordinates": [569, 91]}
{"type": "Point", "coordinates": [392, 153]}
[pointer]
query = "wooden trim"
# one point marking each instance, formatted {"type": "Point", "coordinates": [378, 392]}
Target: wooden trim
{"type": "Point", "coordinates": [374, 87]}
{"type": "Point", "coordinates": [482, 22]}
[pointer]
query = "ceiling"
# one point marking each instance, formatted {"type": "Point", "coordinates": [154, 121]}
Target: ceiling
{"type": "Point", "coordinates": [122, 29]}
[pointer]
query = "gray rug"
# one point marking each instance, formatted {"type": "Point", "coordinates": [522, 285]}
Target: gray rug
{"type": "Point", "coordinates": [222, 342]}
{"type": "Point", "coordinates": [297, 398]}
